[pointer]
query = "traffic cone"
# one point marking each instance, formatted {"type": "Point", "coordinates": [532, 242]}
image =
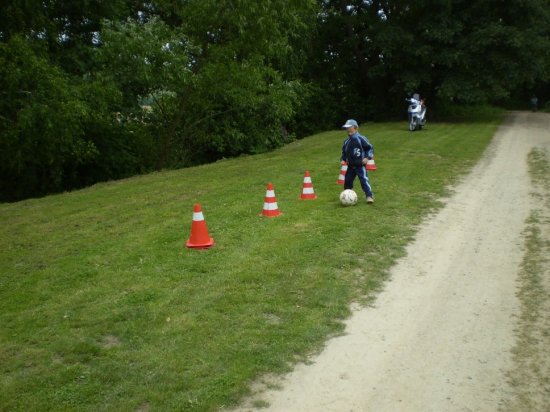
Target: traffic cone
{"type": "Point", "coordinates": [199, 238]}
{"type": "Point", "coordinates": [342, 175]}
{"type": "Point", "coordinates": [270, 203]}
{"type": "Point", "coordinates": [307, 188]}
{"type": "Point", "coordinates": [370, 164]}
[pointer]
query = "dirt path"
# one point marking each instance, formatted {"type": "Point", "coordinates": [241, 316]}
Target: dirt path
{"type": "Point", "coordinates": [440, 336]}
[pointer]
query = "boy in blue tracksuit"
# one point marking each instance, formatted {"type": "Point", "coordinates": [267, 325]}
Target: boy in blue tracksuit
{"type": "Point", "coordinates": [356, 150]}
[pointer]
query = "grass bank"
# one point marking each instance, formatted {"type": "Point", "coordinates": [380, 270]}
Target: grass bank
{"type": "Point", "coordinates": [103, 307]}
{"type": "Point", "coordinates": [530, 378]}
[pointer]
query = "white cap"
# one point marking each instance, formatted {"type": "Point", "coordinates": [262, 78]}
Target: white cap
{"type": "Point", "coordinates": [350, 123]}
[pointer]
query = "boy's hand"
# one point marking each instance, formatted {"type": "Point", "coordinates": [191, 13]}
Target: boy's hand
{"type": "Point", "coordinates": [343, 163]}
{"type": "Point", "coordinates": [365, 160]}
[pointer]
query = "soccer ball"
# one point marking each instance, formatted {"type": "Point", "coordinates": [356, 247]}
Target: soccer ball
{"type": "Point", "coordinates": [348, 197]}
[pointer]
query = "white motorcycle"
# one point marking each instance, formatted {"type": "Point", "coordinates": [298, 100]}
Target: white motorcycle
{"type": "Point", "coordinates": [417, 113]}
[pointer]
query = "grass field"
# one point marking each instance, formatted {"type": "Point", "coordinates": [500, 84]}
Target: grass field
{"type": "Point", "coordinates": [103, 308]}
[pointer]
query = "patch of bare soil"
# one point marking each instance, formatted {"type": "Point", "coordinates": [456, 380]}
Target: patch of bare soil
{"type": "Point", "coordinates": [451, 331]}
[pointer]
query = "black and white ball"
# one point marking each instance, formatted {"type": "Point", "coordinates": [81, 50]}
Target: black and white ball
{"type": "Point", "coordinates": [348, 197]}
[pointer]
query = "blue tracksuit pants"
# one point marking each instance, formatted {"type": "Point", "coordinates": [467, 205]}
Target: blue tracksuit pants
{"type": "Point", "coordinates": [361, 173]}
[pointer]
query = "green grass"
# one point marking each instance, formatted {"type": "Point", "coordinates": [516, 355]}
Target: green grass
{"type": "Point", "coordinates": [102, 307]}
{"type": "Point", "coordinates": [530, 378]}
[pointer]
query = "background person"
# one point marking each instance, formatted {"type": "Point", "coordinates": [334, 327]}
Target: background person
{"type": "Point", "coordinates": [534, 103]}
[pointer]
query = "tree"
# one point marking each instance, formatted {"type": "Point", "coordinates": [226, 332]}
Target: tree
{"type": "Point", "coordinates": [59, 132]}
{"type": "Point", "coordinates": [113, 88]}
{"type": "Point", "coordinates": [369, 54]}
{"type": "Point", "coordinates": [40, 123]}
{"type": "Point", "coordinates": [68, 29]}
{"type": "Point", "coordinates": [58, 123]}
{"type": "Point", "coordinates": [237, 72]}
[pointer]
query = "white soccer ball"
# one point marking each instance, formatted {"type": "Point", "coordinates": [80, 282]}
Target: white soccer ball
{"type": "Point", "coordinates": [348, 197]}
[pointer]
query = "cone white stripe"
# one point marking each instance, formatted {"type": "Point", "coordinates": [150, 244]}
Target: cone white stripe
{"type": "Point", "coordinates": [307, 179]}
{"type": "Point", "coordinates": [270, 206]}
{"type": "Point", "coordinates": [270, 193]}
{"type": "Point", "coordinates": [308, 191]}
{"type": "Point", "coordinates": [198, 216]}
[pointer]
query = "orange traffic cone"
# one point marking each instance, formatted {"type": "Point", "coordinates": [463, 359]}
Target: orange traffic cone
{"type": "Point", "coordinates": [307, 189]}
{"type": "Point", "coordinates": [370, 164]}
{"type": "Point", "coordinates": [199, 238]}
{"type": "Point", "coordinates": [270, 203]}
{"type": "Point", "coordinates": [342, 175]}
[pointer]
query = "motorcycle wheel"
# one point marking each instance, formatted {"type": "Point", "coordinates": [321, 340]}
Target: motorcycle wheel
{"type": "Point", "coordinates": [412, 125]}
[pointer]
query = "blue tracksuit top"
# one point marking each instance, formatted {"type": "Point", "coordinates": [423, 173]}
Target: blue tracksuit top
{"type": "Point", "coordinates": [368, 149]}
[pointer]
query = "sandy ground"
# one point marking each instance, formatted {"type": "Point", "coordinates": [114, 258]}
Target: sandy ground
{"type": "Point", "coordinates": [440, 336]}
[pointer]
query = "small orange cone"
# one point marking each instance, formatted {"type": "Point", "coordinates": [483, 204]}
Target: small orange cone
{"type": "Point", "coordinates": [370, 164]}
{"type": "Point", "coordinates": [307, 188]}
{"type": "Point", "coordinates": [270, 203]}
{"type": "Point", "coordinates": [342, 175]}
{"type": "Point", "coordinates": [199, 238]}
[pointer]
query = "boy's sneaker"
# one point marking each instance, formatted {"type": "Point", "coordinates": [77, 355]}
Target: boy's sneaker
{"type": "Point", "coordinates": [370, 199]}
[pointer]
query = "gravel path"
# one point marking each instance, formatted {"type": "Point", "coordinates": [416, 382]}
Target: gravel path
{"type": "Point", "coordinates": [440, 336]}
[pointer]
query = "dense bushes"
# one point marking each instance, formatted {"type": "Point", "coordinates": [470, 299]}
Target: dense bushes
{"type": "Point", "coordinates": [93, 92]}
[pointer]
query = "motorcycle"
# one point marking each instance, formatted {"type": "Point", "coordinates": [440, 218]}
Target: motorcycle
{"type": "Point", "coordinates": [417, 113]}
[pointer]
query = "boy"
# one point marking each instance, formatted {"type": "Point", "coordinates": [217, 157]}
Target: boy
{"type": "Point", "coordinates": [356, 151]}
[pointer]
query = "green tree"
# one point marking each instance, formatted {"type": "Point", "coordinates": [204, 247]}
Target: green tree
{"type": "Point", "coordinates": [229, 73]}
{"type": "Point", "coordinates": [68, 29]}
{"type": "Point", "coordinates": [247, 72]}
{"type": "Point", "coordinates": [58, 124]}
{"type": "Point", "coordinates": [59, 132]}
{"type": "Point", "coordinates": [369, 54]}
{"type": "Point", "coordinates": [113, 88]}
{"type": "Point", "coordinates": [40, 123]}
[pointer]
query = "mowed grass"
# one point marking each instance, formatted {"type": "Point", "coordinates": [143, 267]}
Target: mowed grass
{"type": "Point", "coordinates": [103, 308]}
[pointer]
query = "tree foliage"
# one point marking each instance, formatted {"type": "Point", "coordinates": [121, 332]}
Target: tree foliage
{"type": "Point", "coordinates": [95, 90]}
{"type": "Point", "coordinates": [244, 86]}
{"type": "Point", "coordinates": [372, 53]}
{"type": "Point", "coordinates": [39, 123]}
{"type": "Point", "coordinates": [59, 132]}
